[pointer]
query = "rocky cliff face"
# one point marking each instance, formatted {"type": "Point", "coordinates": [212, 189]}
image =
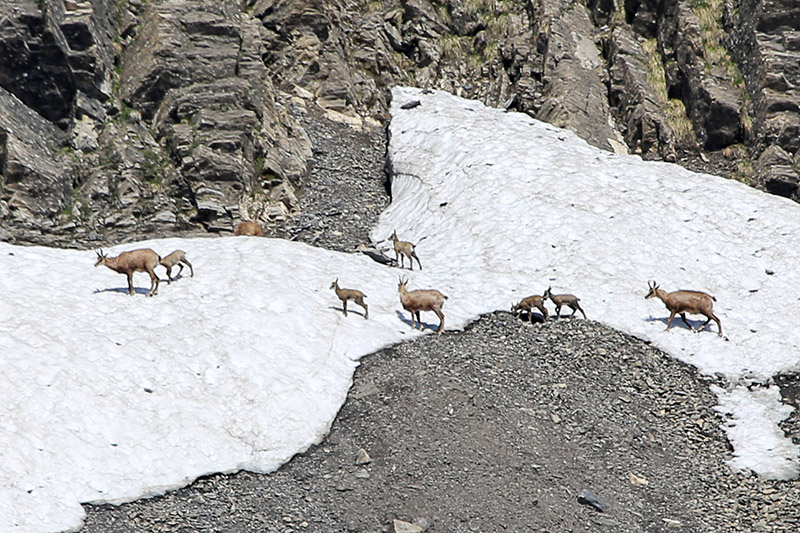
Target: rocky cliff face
{"type": "Point", "coordinates": [131, 117]}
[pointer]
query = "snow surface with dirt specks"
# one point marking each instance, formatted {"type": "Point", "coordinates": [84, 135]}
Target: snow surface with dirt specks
{"type": "Point", "coordinates": [109, 398]}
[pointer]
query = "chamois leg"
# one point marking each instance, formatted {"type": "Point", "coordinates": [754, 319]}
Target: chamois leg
{"type": "Point", "coordinates": [414, 255]}
{"type": "Point", "coordinates": [715, 319]}
{"type": "Point", "coordinates": [419, 322]}
{"type": "Point", "coordinates": [153, 283]}
{"type": "Point", "coordinates": [683, 316]}
{"type": "Point", "coordinates": [669, 322]}
{"type": "Point", "coordinates": [344, 307]}
{"type": "Point", "coordinates": [578, 308]}
{"type": "Point", "coordinates": [441, 319]}
{"type": "Point", "coordinates": [191, 269]}
{"type": "Point", "coordinates": [543, 309]}
{"type": "Point", "coordinates": [130, 283]}
{"type": "Point", "coordinates": [169, 274]}
{"type": "Point", "coordinates": [366, 309]}
{"type": "Point", "coordinates": [558, 311]}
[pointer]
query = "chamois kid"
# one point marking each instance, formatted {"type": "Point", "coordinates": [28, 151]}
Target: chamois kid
{"type": "Point", "coordinates": [350, 294]}
{"type": "Point", "coordinates": [178, 257]}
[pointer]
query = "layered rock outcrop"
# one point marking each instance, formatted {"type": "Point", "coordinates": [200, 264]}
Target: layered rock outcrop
{"type": "Point", "coordinates": [123, 118]}
{"type": "Point", "coordinates": [765, 40]}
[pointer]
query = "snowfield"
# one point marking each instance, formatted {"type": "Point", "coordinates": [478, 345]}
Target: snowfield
{"type": "Point", "coordinates": [109, 398]}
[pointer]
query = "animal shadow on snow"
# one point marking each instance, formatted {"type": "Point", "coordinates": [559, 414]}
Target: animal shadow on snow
{"type": "Point", "coordinates": [341, 310]}
{"type": "Point", "coordinates": [124, 290]}
{"type": "Point", "coordinates": [425, 325]}
{"type": "Point", "coordinates": [677, 321]}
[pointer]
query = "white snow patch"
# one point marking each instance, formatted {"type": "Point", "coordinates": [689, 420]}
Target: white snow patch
{"type": "Point", "coordinates": [108, 398]}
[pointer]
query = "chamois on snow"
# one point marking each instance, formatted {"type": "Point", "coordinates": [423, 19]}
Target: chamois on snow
{"type": "Point", "coordinates": [142, 260]}
{"type": "Point", "coordinates": [404, 249]}
{"type": "Point", "coordinates": [178, 257]}
{"type": "Point", "coordinates": [421, 300]}
{"type": "Point", "coordinates": [682, 302]}
{"type": "Point", "coordinates": [350, 294]}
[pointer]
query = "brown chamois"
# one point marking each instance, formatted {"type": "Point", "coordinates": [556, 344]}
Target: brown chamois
{"type": "Point", "coordinates": [248, 228]}
{"type": "Point", "coordinates": [178, 257]}
{"type": "Point", "coordinates": [421, 300]}
{"type": "Point", "coordinates": [527, 304]}
{"type": "Point", "coordinates": [142, 260]}
{"type": "Point", "coordinates": [570, 300]}
{"type": "Point", "coordinates": [682, 302]}
{"type": "Point", "coordinates": [350, 294]}
{"type": "Point", "coordinates": [404, 249]}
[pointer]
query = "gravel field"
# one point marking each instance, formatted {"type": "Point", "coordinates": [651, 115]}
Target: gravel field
{"type": "Point", "coordinates": [496, 428]}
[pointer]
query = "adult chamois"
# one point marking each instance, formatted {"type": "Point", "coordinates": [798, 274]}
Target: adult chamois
{"type": "Point", "coordinates": [682, 302]}
{"type": "Point", "coordinates": [421, 300]}
{"type": "Point", "coordinates": [142, 260]}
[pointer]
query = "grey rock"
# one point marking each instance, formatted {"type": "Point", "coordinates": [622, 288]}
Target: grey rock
{"type": "Point", "coordinates": [588, 497]}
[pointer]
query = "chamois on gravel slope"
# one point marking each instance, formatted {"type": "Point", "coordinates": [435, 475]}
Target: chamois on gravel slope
{"type": "Point", "coordinates": [248, 228]}
{"type": "Point", "coordinates": [421, 300]}
{"type": "Point", "coordinates": [682, 302]}
{"type": "Point", "coordinates": [527, 304]}
{"type": "Point", "coordinates": [560, 300]}
{"type": "Point", "coordinates": [142, 260]}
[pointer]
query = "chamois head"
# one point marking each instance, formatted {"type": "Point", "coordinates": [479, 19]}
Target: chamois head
{"type": "Point", "coordinates": [653, 292]}
{"type": "Point", "coordinates": [401, 287]}
{"type": "Point", "coordinates": [101, 258]}
{"type": "Point", "coordinates": [334, 284]}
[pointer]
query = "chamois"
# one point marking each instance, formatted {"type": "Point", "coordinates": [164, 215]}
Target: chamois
{"type": "Point", "coordinates": [248, 228]}
{"type": "Point", "coordinates": [142, 260]}
{"type": "Point", "coordinates": [350, 294]}
{"type": "Point", "coordinates": [570, 300]}
{"type": "Point", "coordinates": [682, 302]}
{"type": "Point", "coordinates": [404, 249]}
{"type": "Point", "coordinates": [421, 300]}
{"type": "Point", "coordinates": [527, 304]}
{"type": "Point", "coordinates": [178, 257]}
